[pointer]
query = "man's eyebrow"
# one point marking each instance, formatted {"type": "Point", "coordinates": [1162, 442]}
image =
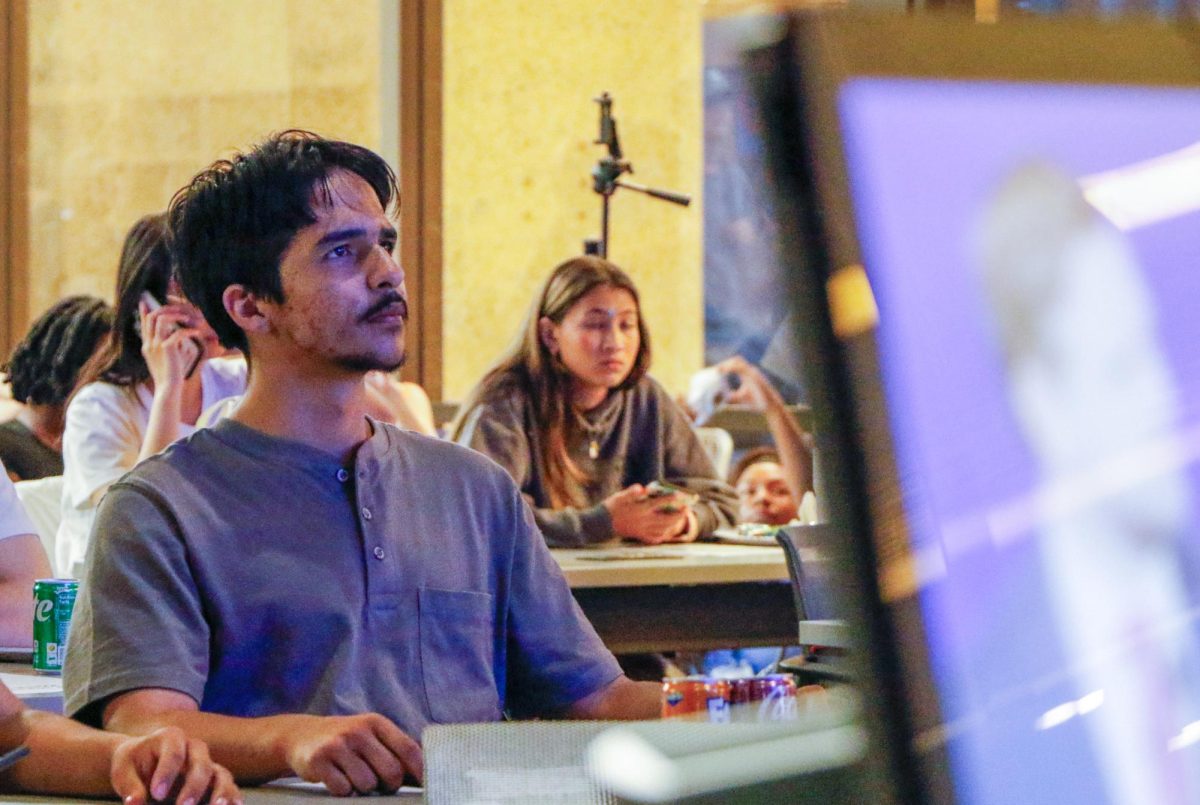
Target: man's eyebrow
{"type": "Point", "coordinates": [351, 233]}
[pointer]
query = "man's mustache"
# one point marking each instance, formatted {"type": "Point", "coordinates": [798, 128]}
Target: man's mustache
{"type": "Point", "coordinates": [386, 301]}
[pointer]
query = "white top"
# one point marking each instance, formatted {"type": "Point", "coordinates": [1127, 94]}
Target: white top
{"type": "Point", "coordinates": [13, 519]}
{"type": "Point", "coordinates": [104, 431]}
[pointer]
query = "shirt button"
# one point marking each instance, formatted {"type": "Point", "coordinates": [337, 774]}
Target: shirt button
{"type": "Point", "coordinates": [343, 475]}
{"type": "Point", "coordinates": [366, 513]}
{"type": "Point", "coordinates": [379, 554]}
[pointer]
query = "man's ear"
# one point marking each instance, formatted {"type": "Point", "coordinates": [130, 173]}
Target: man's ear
{"type": "Point", "coordinates": [242, 306]}
{"type": "Point", "coordinates": [548, 333]}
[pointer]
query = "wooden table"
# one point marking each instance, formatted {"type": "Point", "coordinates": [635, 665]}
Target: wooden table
{"type": "Point", "coordinates": [683, 597]}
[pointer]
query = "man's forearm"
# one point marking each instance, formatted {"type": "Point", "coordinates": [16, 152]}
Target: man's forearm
{"type": "Point", "coordinates": [16, 614]}
{"type": "Point", "coordinates": [253, 749]}
{"type": "Point", "coordinates": [65, 757]}
{"type": "Point", "coordinates": [23, 562]}
{"type": "Point", "coordinates": [623, 700]}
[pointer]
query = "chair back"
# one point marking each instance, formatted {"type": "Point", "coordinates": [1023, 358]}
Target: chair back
{"type": "Point", "coordinates": [42, 501]}
{"type": "Point", "coordinates": [804, 549]}
{"type": "Point", "coordinates": [719, 446]}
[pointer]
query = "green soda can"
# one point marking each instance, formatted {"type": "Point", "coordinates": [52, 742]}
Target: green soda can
{"type": "Point", "coordinates": [53, 603]}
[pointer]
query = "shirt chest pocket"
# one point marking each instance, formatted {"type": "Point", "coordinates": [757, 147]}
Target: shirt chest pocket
{"type": "Point", "coordinates": [457, 655]}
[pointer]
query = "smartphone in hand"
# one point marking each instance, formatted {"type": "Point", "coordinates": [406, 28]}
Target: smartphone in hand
{"type": "Point", "coordinates": [152, 304]}
{"type": "Point", "coordinates": [662, 489]}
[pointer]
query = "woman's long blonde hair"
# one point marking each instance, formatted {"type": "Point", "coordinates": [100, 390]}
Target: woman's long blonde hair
{"type": "Point", "coordinates": [546, 381]}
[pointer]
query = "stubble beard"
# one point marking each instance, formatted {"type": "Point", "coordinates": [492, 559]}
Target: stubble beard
{"type": "Point", "coordinates": [371, 363]}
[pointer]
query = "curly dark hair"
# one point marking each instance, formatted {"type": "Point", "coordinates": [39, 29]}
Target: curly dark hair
{"type": "Point", "coordinates": [44, 366]}
{"type": "Point", "coordinates": [232, 223]}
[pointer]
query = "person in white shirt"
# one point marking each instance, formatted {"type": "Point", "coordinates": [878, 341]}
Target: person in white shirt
{"type": "Point", "coordinates": [22, 562]}
{"type": "Point", "coordinates": [143, 391]}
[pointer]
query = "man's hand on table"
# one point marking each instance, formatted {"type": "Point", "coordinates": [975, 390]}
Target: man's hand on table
{"type": "Point", "coordinates": [166, 765]}
{"type": "Point", "coordinates": [362, 753]}
{"type": "Point", "coordinates": [347, 754]}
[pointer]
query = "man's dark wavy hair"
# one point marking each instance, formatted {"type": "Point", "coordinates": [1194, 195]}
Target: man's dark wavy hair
{"type": "Point", "coordinates": [45, 365]}
{"type": "Point", "coordinates": [232, 223]}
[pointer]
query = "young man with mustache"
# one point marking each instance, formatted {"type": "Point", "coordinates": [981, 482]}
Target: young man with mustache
{"type": "Point", "coordinates": [303, 587]}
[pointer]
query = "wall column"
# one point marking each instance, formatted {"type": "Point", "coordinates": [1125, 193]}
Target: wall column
{"type": "Point", "coordinates": [421, 186]}
{"type": "Point", "coordinates": [14, 174]}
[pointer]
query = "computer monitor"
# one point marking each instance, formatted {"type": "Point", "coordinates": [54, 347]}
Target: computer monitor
{"type": "Point", "coordinates": [1012, 445]}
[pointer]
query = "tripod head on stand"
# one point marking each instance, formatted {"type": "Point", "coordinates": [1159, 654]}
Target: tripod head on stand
{"type": "Point", "coordinates": [606, 176]}
{"type": "Point", "coordinates": [609, 168]}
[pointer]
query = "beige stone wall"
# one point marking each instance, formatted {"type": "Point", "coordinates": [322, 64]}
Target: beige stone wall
{"type": "Point", "coordinates": [518, 128]}
{"type": "Point", "coordinates": [129, 98]}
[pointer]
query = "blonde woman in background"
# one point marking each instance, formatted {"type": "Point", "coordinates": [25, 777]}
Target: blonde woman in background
{"type": "Point", "coordinates": [574, 417]}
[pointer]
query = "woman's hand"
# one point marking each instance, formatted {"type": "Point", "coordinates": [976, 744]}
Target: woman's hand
{"type": "Point", "coordinates": [167, 344]}
{"type": "Point", "coordinates": [166, 765]}
{"type": "Point", "coordinates": [691, 527]}
{"type": "Point", "coordinates": [170, 351]}
{"type": "Point", "coordinates": [650, 520]}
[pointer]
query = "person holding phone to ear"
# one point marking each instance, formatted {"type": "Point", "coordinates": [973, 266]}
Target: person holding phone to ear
{"type": "Point", "coordinates": [144, 390]}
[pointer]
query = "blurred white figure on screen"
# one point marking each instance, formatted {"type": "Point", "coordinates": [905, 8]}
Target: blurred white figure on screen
{"type": "Point", "coordinates": [1092, 393]}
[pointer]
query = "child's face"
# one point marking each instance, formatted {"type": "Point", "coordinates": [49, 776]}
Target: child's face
{"type": "Point", "coordinates": [763, 495]}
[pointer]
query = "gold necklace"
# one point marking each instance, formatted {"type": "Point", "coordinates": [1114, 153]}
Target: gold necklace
{"type": "Point", "coordinates": [593, 432]}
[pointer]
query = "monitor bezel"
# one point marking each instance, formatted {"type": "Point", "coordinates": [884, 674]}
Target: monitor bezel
{"type": "Point", "coordinates": [806, 72]}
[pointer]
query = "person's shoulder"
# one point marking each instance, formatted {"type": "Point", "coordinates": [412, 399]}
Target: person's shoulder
{"type": "Point", "coordinates": [413, 392]}
{"type": "Point", "coordinates": [649, 391]}
{"type": "Point", "coordinates": [12, 431]}
{"type": "Point", "coordinates": [508, 390]}
{"type": "Point", "coordinates": [648, 398]}
{"type": "Point", "coordinates": [104, 395]}
{"type": "Point", "coordinates": [648, 385]}
{"type": "Point", "coordinates": [442, 455]}
{"type": "Point", "coordinates": [505, 399]}
{"type": "Point", "coordinates": [181, 465]}
{"type": "Point", "coordinates": [98, 404]}
{"type": "Point", "coordinates": [428, 448]}
{"type": "Point", "coordinates": [230, 370]}
{"type": "Point", "coordinates": [26, 456]}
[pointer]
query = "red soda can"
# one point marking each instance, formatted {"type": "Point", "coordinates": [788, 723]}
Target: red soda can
{"type": "Point", "coordinates": [772, 686]}
{"type": "Point", "coordinates": [744, 690]}
{"type": "Point", "coordinates": [776, 695]}
{"type": "Point", "coordinates": [697, 697]}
